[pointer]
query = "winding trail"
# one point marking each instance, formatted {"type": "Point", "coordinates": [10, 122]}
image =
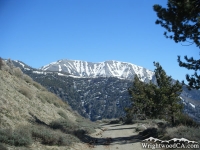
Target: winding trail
{"type": "Point", "coordinates": [113, 137]}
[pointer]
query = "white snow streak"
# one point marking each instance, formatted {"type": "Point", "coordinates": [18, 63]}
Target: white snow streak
{"type": "Point", "coordinates": [60, 74]}
{"type": "Point", "coordinates": [60, 69]}
{"type": "Point", "coordinates": [38, 72]}
{"type": "Point", "coordinates": [192, 105]}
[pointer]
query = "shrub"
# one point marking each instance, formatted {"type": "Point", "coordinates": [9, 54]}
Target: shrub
{"type": "Point", "coordinates": [17, 72]}
{"type": "Point", "coordinates": [87, 125]}
{"type": "Point", "coordinates": [64, 125]}
{"type": "Point", "coordinates": [38, 86]}
{"type": "Point", "coordinates": [62, 114]}
{"type": "Point", "coordinates": [26, 92]}
{"type": "Point", "coordinates": [1, 63]}
{"type": "Point", "coordinates": [50, 137]}
{"type": "Point", "coordinates": [24, 135]}
{"type": "Point", "coordinates": [191, 133]}
{"type": "Point", "coordinates": [18, 137]}
{"type": "Point", "coordinates": [184, 119]}
{"type": "Point", "coordinates": [27, 78]}
{"type": "Point", "coordinates": [50, 98]}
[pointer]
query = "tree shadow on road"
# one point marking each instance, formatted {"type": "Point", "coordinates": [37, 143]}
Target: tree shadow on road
{"type": "Point", "coordinates": [109, 141]}
{"type": "Point", "coordinates": [149, 132]}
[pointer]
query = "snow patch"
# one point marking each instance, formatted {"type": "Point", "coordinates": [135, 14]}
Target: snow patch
{"type": "Point", "coordinates": [27, 69]}
{"type": "Point", "coordinates": [38, 72]}
{"type": "Point", "coordinates": [60, 69]}
{"type": "Point", "coordinates": [192, 105]}
{"type": "Point", "coordinates": [60, 74]}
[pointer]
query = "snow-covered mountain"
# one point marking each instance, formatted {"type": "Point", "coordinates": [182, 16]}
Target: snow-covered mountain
{"type": "Point", "coordinates": [103, 69]}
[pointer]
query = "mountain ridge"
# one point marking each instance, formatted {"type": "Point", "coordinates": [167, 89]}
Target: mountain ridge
{"type": "Point", "coordinates": [82, 93]}
{"type": "Point", "coordinates": [110, 68]}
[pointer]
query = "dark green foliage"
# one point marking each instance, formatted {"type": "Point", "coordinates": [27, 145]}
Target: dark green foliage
{"type": "Point", "coordinates": [182, 19]}
{"type": "Point", "coordinates": [142, 102]}
{"type": "Point", "coordinates": [155, 101]}
{"type": "Point", "coordinates": [168, 94]}
{"type": "Point", "coordinates": [194, 80]}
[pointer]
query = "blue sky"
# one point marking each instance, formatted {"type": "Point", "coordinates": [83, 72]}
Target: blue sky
{"type": "Point", "coordinates": [38, 32]}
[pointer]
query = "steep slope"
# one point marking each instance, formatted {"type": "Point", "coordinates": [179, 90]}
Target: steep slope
{"type": "Point", "coordinates": [103, 69]}
{"type": "Point", "coordinates": [29, 112]}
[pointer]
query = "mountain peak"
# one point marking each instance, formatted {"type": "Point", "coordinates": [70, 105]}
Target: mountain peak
{"type": "Point", "coordinates": [110, 68]}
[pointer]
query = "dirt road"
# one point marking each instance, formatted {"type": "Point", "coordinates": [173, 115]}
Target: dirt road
{"type": "Point", "coordinates": [113, 137]}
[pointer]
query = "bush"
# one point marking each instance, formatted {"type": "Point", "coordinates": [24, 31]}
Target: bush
{"type": "Point", "coordinates": [38, 86]}
{"type": "Point", "coordinates": [183, 119]}
{"type": "Point", "coordinates": [50, 98]}
{"type": "Point", "coordinates": [17, 72]}
{"type": "Point", "coordinates": [191, 133]}
{"type": "Point", "coordinates": [64, 125]}
{"type": "Point", "coordinates": [24, 135]}
{"type": "Point", "coordinates": [18, 137]}
{"type": "Point", "coordinates": [27, 78]}
{"type": "Point", "coordinates": [26, 92]}
{"type": "Point", "coordinates": [48, 136]}
{"type": "Point", "coordinates": [1, 63]}
{"type": "Point", "coordinates": [87, 125]}
{"type": "Point", "coordinates": [62, 114]}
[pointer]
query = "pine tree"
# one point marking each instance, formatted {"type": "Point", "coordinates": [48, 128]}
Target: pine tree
{"type": "Point", "coordinates": [194, 80]}
{"type": "Point", "coordinates": [182, 21]}
{"type": "Point", "coordinates": [156, 101]}
{"type": "Point", "coordinates": [167, 94]}
{"type": "Point", "coordinates": [141, 103]}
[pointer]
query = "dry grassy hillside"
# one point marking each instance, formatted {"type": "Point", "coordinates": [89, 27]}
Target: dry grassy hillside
{"type": "Point", "coordinates": [33, 118]}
